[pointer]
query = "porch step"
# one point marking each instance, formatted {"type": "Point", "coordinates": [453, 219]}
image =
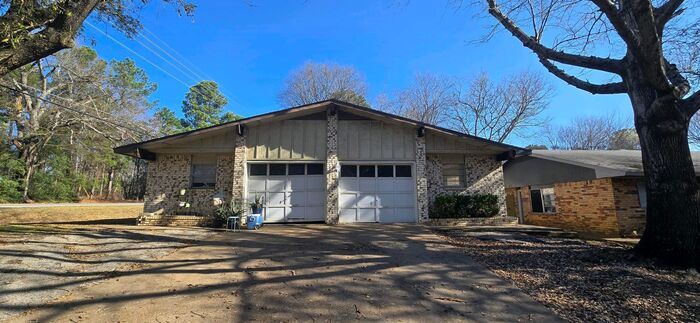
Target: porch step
{"type": "Point", "coordinates": [150, 219]}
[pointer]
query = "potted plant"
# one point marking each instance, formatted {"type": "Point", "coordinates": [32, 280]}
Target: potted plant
{"type": "Point", "coordinates": [256, 205]}
{"type": "Point", "coordinates": [223, 212]}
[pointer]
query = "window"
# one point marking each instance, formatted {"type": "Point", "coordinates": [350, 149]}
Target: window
{"type": "Point", "coordinates": [257, 169]}
{"type": "Point", "coordinates": [385, 171]}
{"type": "Point", "coordinates": [543, 200]}
{"type": "Point", "coordinates": [278, 169]}
{"type": "Point", "coordinates": [642, 193]}
{"type": "Point", "coordinates": [403, 171]}
{"type": "Point", "coordinates": [296, 169]}
{"type": "Point", "coordinates": [453, 175]}
{"type": "Point", "coordinates": [314, 169]}
{"type": "Point", "coordinates": [203, 171]}
{"type": "Point", "coordinates": [348, 170]}
{"type": "Point", "coordinates": [367, 171]}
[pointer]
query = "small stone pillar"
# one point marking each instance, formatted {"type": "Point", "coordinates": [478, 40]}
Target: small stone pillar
{"type": "Point", "coordinates": [332, 167]}
{"type": "Point", "coordinates": [421, 178]}
{"type": "Point", "coordinates": [239, 170]}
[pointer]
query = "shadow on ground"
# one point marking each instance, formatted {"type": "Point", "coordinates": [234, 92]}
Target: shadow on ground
{"type": "Point", "coordinates": [291, 272]}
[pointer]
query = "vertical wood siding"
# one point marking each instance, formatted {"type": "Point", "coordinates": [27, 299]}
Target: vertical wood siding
{"type": "Point", "coordinates": [374, 140]}
{"type": "Point", "coordinates": [443, 143]}
{"type": "Point", "coordinates": [288, 140]}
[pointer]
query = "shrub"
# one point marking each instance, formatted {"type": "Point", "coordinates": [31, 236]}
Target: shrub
{"type": "Point", "coordinates": [46, 187]}
{"type": "Point", "coordinates": [221, 214]}
{"type": "Point", "coordinates": [464, 206]}
{"type": "Point", "coordinates": [10, 191]}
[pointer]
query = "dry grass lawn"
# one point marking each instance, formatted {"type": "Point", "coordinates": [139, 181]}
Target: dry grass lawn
{"type": "Point", "coordinates": [113, 214]}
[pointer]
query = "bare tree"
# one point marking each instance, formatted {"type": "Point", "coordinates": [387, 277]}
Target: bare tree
{"type": "Point", "coordinates": [428, 99]}
{"type": "Point", "coordinates": [315, 82]}
{"type": "Point", "coordinates": [646, 41]}
{"type": "Point", "coordinates": [626, 138]}
{"type": "Point", "coordinates": [496, 110]}
{"type": "Point", "coordinates": [585, 133]}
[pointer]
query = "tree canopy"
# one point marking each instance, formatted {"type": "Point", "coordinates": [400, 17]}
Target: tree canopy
{"type": "Point", "coordinates": [33, 30]}
{"type": "Point", "coordinates": [315, 82]}
{"type": "Point", "coordinates": [203, 105]}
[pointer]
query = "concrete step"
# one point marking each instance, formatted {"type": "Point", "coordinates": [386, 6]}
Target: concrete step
{"type": "Point", "coordinates": [526, 229]}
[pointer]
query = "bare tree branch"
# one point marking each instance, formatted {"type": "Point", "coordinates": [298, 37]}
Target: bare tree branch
{"type": "Point", "coordinates": [650, 52]}
{"type": "Point", "coordinates": [609, 88]}
{"type": "Point", "coordinates": [592, 62]}
{"type": "Point", "coordinates": [664, 13]}
{"type": "Point", "coordinates": [616, 19]}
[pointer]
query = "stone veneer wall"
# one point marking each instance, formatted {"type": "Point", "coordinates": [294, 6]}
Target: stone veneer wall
{"type": "Point", "coordinates": [170, 172]}
{"type": "Point", "coordinates": [238, 172]}
{"type": "Point", "coordinates": [584, 206]}
{"type": "Point", "coordinates": [332, 169]}
{"type": "Point", "coordinates": [631, 217]}
{"type": "Point", "coordinates": [421, 179]}
{"type": "Point", "coordinates": [484, 175]}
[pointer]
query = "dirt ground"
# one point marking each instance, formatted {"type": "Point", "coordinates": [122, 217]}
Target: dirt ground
{"type": "Point", "coordinates": [279, 273]}
{"type": "Point", "coordinates": [83, 214]}
{"type": "Point", "coordinates": [39, 263]}
{"type": "Point", "coordinates": [587, 281]}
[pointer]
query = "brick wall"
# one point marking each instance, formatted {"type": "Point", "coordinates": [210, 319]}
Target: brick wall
{"type": "Point", "coordinates": [171, 172]}
{"type": "Point", "coordinates": [585, 206]}
{"type": "Point", "coordinates": [631, 217]}
{"type": "Point", "coordinates": [484, 175]}
{"type": "Point", "coordinates": [603, 207]}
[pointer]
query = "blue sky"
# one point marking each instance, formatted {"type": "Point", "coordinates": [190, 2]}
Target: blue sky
{"type": "Point", "coordinates": [250, 46]}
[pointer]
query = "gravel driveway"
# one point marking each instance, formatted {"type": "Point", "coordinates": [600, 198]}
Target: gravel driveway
{"type": "Point", "coordinates": [296, 273]}
{"type": "Point", "coordinates": [41, 263]}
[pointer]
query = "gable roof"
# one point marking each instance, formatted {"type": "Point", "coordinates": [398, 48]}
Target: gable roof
{"type": "Point", "coordinates": [620, 162]}
{"type": "Point", "coordinates": [135, 149]}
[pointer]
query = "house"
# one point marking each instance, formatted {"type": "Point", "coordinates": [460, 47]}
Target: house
{"type": "Point", "coordinates": [330, 161]}
{"type": "Point", "coordinates": [599, 192]}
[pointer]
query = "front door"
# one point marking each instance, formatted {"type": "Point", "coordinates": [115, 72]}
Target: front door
{"type": "Point", "coordinates": [521, 212]}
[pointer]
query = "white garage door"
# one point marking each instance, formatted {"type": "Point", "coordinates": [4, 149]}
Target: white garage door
{"type": "Point", "coordinates": [377, 193]}
{"type": "Point", "coordinates": [292, 192]}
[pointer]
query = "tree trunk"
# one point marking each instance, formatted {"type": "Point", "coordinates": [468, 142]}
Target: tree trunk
{"type": "Point", "coordinates": [27, 177]}
{"type": "Point", "coordinates": [110, 182]}
{"type": "Point", "coordinates": [672, 232]}
{"type": "Point", "coordinates": [102, 181]}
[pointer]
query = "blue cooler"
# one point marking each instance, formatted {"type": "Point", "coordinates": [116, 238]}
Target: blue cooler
{"type": "Point", "coordinates": [255, 221]}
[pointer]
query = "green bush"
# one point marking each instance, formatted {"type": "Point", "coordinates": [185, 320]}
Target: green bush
{"type": "Point", "coordinates": [55, 181]}
{"type": "Point", "coordinates": [47, 187]}
{"type": "Point", "coordinates": [464, 206]}
{"type": "Point", "coordinates": [10, 191]}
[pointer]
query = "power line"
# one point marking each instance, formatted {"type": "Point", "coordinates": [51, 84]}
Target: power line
{"type": "Point", "coordinates": [135, 53]}
{"type": "Point", "coordinates": [69, 100]}
{"type": "Point", "coordinates": [195, 78]}
{"type": "Point", "coordinates": [72, 109]}
{"type": "Point", "coordinates": [199, 72]}
{"type": "Point", "coordinates": [191, 70]}
{"type": "Point", "coordinates": [152, 63]}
